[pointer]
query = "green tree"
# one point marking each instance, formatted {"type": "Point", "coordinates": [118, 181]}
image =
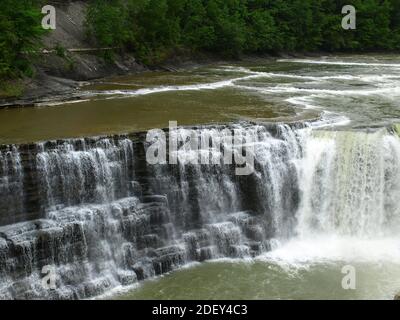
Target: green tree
{"type": "Point", "coordinates": [228, 20]}
{"type": "Point", "coordinates": [198, 32]}
{"type": "Point", "coordinates": [373, 25]}
{"type": "Point", "coordinates": [106, 21]}
{"type": "Point", "coordinates": [20, 25]}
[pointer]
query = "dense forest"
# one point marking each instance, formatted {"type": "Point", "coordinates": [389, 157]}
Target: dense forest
{"type": "Point", "coordinates": [156, 29]}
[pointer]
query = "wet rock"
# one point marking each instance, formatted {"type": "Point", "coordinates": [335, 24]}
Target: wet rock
{"type": "Point", "coordinates": [127, 277]}
{"type": "Point", "coordinates": [96, 212]}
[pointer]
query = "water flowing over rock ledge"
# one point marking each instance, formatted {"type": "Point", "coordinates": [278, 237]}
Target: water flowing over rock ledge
{"type": "Point", "coordinates": [97, 211]}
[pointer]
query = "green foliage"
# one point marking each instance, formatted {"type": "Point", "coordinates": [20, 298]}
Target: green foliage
{"type": "Point", "coordinates": [155, 28]}
{"type": "Point", "coordinates": [11, 89]}
{"type": "Point", "coordinates": [20, 25]}
{"type": "Point", "coordinates": [107, 21]}
{"type": "Point", "coordinates": [60, 50]}
{"type": "Point", "coordinates": [262, 32]}
{"type": "Point", "coordinates": [373, 30]}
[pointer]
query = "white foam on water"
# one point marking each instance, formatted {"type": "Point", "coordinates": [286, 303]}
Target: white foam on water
{"type": "Point", "coordinates": [313, 78]}
{"type": "Point", "coordinates": [304, 101]}
{"type": "Point", "coordinates": [340, 63]}
{"type": "Point", "coordinates": [58, 103]}
{"type": "Point", "coordinates": [376, 79]}
{"type": "Point", "coordinates": [291, 76]}
{"type": "Point", "coordinates": [329, 119]}
{"type": "Point", "coordinates": [124, 289]}
{"type": "Point", "coordinates": [304, 252]}
{"type": "Point", "coordinates": [194, 87]}
{"type": "Point", "coordinates": [361, 92]}
{"type": "Point", "coordinates": [119, 290]}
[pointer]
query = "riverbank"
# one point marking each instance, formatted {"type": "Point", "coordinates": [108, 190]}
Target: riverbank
{"type": "Point", "coordinates": [60, 77]}
{"type": "Point", "coordinates": [55, 79]}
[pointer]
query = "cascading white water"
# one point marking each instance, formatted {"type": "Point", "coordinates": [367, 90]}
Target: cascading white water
{"type": "Point", "coordinates": [350, 184]}
{"type": "Point", "coordinates": [348, 211]}
{"type": "Point", "coordinates": [11, 181]}
{"type": "Point", "coordinates": [106, 217]}
{"type": "Point", "coordinates": [68, 174]}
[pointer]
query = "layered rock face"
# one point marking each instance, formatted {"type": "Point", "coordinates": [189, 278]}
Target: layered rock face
{"type": "Point", "coordinates": [98, 213]}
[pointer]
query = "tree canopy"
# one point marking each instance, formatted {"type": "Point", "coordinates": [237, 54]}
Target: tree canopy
{"type": "Point", "coordinates": [20, 25]}
{"type": "Point", "coordinates": [156, 29]}
{"type": "Point", "coordinates": [232, 27]}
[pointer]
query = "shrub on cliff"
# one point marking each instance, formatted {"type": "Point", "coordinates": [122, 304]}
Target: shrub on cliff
{"type": "Point", "coordinates": [107, 22]}
{"type": "Point", "coordinates": [20, 25]}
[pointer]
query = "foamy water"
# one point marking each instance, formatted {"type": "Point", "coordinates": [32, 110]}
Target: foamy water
{"type": "Point", "coordinates": [303, 252]}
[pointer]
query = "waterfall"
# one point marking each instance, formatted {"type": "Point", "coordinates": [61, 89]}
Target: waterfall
{"type": "Point", "coordinates": [350, 184]}
{"type": "Point", "coordinates": [11, 182]}
{"type": "Point", "coordinates": [75, 173]}
{"type": "Point", "coordinates": [104, 217]}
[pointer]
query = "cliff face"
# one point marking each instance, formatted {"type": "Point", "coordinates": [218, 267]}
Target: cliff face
{"type": "Point", "coordinates": [82, 60]}
{"type": "Point", "coordinates": [70, 56]}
